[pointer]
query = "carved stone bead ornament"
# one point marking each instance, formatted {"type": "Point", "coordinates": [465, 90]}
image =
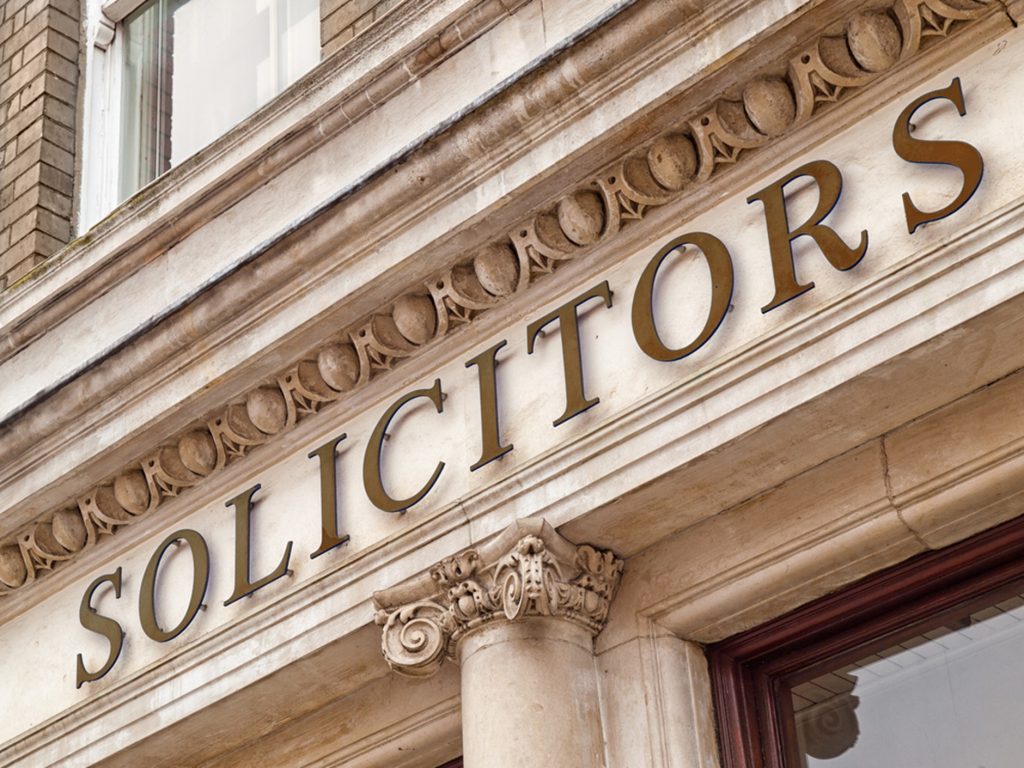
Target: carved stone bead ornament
{"type": "Point", "coordinates": [709, 140]}
{"type": "Point", "coordinates": [528, 570]}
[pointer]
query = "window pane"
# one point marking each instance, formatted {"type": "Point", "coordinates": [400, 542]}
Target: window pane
{"type": "Point", "coordinates": [949, 698]}
{"type": "Point", "coordinates": [195, 68]}
{"type": "Point", "coordinates": [145, 107]}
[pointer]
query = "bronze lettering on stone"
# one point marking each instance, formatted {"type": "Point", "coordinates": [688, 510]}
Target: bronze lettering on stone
{"type": "Point", "coordinates": [101, 625]}
{"type": "Point", "coordinates": [486, 364]}
{"type": "Point", "coordinates": [781, 235]}
{"type": "Point", "coordinates": [957, 154]}
{"type": "Point", "coordinates": [825, 177]}
{"type": "Point", "coordinates": [329, 535]}
{"type": "Point", "coordinates": [372, 480]}
{"type": "Point", "coordinates": [200, 578]}
{"type": "Point", "coordinates": [243, 543]}
{"type": "Point", "coordinates": [719, 263]}
{"type": "Point", "coordinates": [567, 315]}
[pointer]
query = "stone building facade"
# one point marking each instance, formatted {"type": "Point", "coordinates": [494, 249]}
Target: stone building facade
{"type": "Point", "coordinates": [511, 382]}
{"type": "Point", "coordinates": [39, 48]}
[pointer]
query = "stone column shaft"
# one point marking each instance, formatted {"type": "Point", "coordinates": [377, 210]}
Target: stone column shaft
{"type": "Point", "coordinates": [529, 696]}
{"type": "Point", "coordinates": [519, 614]}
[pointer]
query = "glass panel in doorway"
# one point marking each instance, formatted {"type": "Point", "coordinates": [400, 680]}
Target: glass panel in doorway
{"type": "Point", "coordinates": [948, 698]}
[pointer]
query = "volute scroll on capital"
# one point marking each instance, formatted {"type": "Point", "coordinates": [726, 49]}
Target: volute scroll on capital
{"type": "Point", "coordinates": [528, 570]}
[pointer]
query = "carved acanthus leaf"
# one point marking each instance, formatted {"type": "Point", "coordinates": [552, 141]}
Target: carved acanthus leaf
{"type": "Point", "coordinates": [538, 574]}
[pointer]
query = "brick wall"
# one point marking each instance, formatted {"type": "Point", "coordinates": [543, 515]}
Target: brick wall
{"type": "Point", "coordinates": [38, 88]}
{"type": "Point", "coordinates": [341, 20]}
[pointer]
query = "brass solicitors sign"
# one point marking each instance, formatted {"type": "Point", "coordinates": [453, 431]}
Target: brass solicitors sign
{"type": "Point", "coordinates": [840, 250]}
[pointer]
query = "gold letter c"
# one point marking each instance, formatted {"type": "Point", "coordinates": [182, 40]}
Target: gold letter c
{"type": "Point", "coordinates": [371, 461]}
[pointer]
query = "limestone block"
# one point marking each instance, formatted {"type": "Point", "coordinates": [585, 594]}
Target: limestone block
{"type": "Point", "coordinates": [957, 470]}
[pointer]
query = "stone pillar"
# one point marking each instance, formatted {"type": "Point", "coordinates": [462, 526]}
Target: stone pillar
{"type": "Point", "coordinates": [519, 614]}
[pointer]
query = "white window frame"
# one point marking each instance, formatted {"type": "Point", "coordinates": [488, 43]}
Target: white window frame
{"type": "Point", "coordinates": [101, 107]}
{"type": "Point", "coordinates": [101, 101]}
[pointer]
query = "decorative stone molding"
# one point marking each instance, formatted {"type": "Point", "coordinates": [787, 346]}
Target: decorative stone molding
{"type": "Point", "coordinates": [528, 570]}
{"type": "Point", "coordinates": [709, 141]}
{"type": "Point", "coordinates": [103, 31]}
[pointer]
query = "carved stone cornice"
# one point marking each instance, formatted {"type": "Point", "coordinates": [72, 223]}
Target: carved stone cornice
{"type": "Point", "coordinates": [528, 570]}
{"type": "Point", "coordinates": [709, 139]}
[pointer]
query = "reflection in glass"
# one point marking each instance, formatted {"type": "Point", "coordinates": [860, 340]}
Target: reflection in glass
{"type": "Point", "coordinates": [194, 68]}
{"type": "Point", "coordinates": [950, 698]}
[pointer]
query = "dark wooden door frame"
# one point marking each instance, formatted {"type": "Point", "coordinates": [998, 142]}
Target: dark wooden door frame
{"type": "Point", "coordinates": [752, 673]}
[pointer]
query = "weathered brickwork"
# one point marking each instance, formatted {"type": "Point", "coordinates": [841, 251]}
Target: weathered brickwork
{"type": "Point", "coordinates": [341, 20]}
{"type": "Point", "coordinates": [39, 45]}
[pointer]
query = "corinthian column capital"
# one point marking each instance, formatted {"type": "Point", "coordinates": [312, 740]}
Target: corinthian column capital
{"type": "Point", "coordinates": [528, 570]}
